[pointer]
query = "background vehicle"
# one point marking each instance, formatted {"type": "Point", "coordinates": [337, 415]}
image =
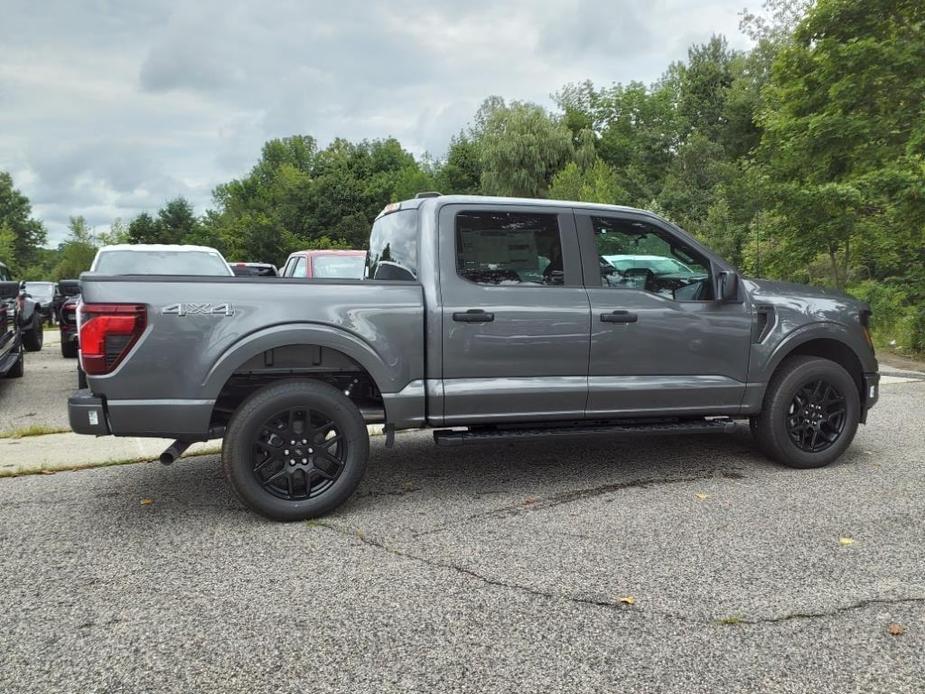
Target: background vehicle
{"type": "Point", "coordinates": [254, 270]}
{"type": "Point", "coordinates": [333, 263]}
{"type": "Point", "coordinates": [21, 312]}
{"type": "Point", "coordinates": [159, 259]}
{"type": "Point", "coordinates": [491, 314]}
{"type": "Point", "coordinates": [67, 317]}
{"type": "Point", "coordinates": [46, 297]}
{"type": "Point", "coordinates": [657, 273]}
{"type": "Point", "coordinates": [11, 349]}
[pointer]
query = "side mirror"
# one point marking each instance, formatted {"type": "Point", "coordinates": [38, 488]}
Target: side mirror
{"type": "Point", "coordinates": [728, 285]}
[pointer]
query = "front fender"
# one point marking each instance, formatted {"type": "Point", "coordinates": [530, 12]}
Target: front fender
{"type": "Point", "coordinates": [308, 334]}
{"type": "Point", "coordinates": [824, 330]}
{"type": "Point", "coordinates": [767, 357]}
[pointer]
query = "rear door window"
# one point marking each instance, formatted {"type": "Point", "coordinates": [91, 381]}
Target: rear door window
{"type": "Point", "coordinates": [509, 248]}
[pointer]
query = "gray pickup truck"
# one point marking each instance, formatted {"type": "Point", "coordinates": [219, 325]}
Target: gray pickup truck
{"type": "Point", "coordinates": [484, 318]}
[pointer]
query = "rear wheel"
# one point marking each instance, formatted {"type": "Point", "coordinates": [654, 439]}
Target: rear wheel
{"type": "Point", "coordinates": [810, 415]}
{"type": "Point", "coordinates": [295, 450]}
{"type": "Point", "coordinates": [34, 338]}
{"type": "Point", "coordinates": [69, 349]}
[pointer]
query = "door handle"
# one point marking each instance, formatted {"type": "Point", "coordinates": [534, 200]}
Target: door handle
{"type": "Point", "coordinates": [619, 317]}
{"type": "Point", "coordinates": [474, 315]}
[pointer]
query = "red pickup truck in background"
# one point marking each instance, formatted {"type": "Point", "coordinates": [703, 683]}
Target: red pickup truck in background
{"type": "Point", "coordinates": [325, 263]}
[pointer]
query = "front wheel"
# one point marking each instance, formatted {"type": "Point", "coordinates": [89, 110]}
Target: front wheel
{"type": "Point", "coordinates": [810, 414]}
{"type": "Point", "coordinates": [295, 450]}
{"type": "Point", "coordinates": [69, 349]}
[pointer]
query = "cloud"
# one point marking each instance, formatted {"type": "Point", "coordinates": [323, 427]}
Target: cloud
{"type": "Point", "coordinates": [108, 109]}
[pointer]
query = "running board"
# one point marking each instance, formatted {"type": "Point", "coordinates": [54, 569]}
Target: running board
{"type": "Point", "coordinates": [452, 437]}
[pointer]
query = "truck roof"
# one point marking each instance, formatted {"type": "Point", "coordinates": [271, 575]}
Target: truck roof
{"type": "Point", "coordinates": [500, 200]}
{"type": "Point", "coordinates": [333, 251]}
{"type": "Point", "coordinates": [174, 247]}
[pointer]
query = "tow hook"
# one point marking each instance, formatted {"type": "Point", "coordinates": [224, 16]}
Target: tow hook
{"type": "Point", "coordinates": [174, 451]}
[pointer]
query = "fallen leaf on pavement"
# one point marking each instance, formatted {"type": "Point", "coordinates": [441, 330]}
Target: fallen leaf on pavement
{"type": "Point", "coordinates": [628, 600]}
{"type": "Point", "coordinates": [702, 496]}
{"type": "Point", "coordinates": [531, 500]}
{"type": "Point", "coordinates": [846, 541]}
{"type": "Point", "coordinates": [147, 502]}
{"type": "Point", "coordinates": [896, 629]}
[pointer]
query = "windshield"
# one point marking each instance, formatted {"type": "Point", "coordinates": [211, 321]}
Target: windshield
{"type": "Point", "coordinates": [660, 266]}
{"type": "Point", "coordinates": [347, 266]}
{"type": "Point", "coordinates": [161, 263]}
{"type": "Point", "coordinates": [40, 290]}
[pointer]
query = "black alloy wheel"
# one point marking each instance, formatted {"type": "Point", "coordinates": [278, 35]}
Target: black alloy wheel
{"type": "Point", "coordinates": [817, 416]}
{"type": "Point", "coordinates": [295, 449]}
{"type": "Point", "coordinates": [810, 413]}
{"type": "Point", "coordinates": [299, 454]}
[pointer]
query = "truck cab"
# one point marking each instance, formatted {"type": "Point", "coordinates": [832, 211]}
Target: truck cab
{"type": "Point", "coordinates": [485, 319]}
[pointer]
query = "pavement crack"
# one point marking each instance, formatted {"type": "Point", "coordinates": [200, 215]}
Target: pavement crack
{"type": "Point", "coordinates": [547, 595]}
{"type": "Point", "coordinates": [616, 606]}
{"type": "Point", "coordinates": [835, 611]}
{"type": "Point", "coordinates": [571, 495]}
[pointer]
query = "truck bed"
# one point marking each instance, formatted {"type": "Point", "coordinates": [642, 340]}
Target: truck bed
{"type": "Point", "coordinates": [200, 331]}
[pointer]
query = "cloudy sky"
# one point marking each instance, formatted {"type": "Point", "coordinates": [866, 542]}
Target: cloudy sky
{"type": "Point", "coordinates": [111, 107]}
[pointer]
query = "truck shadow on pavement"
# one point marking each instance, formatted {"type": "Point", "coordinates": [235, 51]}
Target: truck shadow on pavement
{"type": "Point", "coordinates": [419, 480]}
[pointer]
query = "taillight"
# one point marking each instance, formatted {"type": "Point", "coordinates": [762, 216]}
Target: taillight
{"type": "Point", "coordinates": [107, 333]}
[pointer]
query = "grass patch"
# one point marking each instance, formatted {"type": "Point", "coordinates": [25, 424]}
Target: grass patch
{"type": "Point", "coordinates": [32, 430]}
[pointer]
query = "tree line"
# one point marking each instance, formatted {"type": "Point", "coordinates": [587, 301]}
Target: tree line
{"type": "Point", "coordinates": [802, 158]}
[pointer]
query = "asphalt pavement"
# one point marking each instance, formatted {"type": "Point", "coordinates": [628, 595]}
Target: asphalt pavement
{"type": "Point", "coordinates": [40, 397]}
{"type": "Point", "coordinates": [661, 565]}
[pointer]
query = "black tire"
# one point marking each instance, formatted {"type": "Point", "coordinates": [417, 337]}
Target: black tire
{"type": "Point", "coordinates": [789, 429]}
{"type": "Point", "coordinates": [69, 350]}
{"type": "Point", "coordinates": [81, 378]}
{"type": "Point", "coordinates": [34, 338]}
{"type": "Point", "coordinates": [18, 369]}
{"type": "Point", "coordinates": [266, 479]}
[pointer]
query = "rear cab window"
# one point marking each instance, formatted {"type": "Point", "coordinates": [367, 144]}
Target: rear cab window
{"type": "Point", "coordinates": [393, 247]}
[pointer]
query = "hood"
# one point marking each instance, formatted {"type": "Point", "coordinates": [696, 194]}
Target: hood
{"type": "Point", "coordinates": [811, 298]}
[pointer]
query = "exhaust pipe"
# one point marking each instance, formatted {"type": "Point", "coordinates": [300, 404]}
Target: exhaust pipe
{"type": "Point", "coordinates": [174, 451]}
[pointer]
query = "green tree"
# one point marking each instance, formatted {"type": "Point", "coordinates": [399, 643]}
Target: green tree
{"type": "Point", "coordinates": [144, 229]}
{"type": "Point", "coordinates": [8, 247]}
{"type": "Point", "coordinates": [24, 233]}
{"type": "Point", "coordinates": [521, 148]}
{"type": "Point", "coordinates": [461, 172]}
{"type": "Point", "coordinates": [844, 138]}
{"type": "Point", "coordinates": [118, 233]}
{"type": "Point", "coordinates": [596, 183]}
{"type": "Point", "coordinates": [177, 222]}
{"type": "Point", "coordinates": [76, 254]}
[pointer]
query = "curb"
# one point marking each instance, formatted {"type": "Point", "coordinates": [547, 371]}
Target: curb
{"type": "Point", "coordinates": [66, 452]}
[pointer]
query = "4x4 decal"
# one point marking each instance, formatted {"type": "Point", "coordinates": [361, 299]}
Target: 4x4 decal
{"type": "Point", "coordinates": [199, 310]}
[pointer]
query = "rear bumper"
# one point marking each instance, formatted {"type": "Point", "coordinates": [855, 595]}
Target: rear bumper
{"type": "Point", "coordinates": [871, 393]}
{"type": "Point", "coordinates": [86, 414]}
{"type": "Point", "coordinates": [98, 416]}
